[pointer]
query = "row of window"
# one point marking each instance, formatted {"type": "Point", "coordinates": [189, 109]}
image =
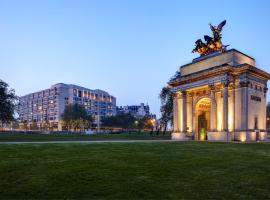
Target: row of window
{"type": "Point", "coordinates": [90, 95]}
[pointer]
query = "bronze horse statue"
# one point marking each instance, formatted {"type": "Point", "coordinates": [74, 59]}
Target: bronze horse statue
{"type": "Point", "coordinates": [213, 44]}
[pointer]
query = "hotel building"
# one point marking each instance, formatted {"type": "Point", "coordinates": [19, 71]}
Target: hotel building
{"type": "Point", "coordinates": [49, 104]}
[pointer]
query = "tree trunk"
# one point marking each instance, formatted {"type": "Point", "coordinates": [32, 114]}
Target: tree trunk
{"type": "Point", "coordinates": [165, 129]}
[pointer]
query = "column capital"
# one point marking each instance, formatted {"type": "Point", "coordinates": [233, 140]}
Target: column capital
{"type": "Point", "coordinates": [184, 93]}
{"type": "Point", "coordinates": [212, 86]}
{"type": "Point", "coordinates": [176, 95]}
{"type": "Point", "coordinates": [244, 83]}
{"type": "Point", "coordinates": [225, 83]}
{"type": "Point", "coordinates": [191, 94]}
{"type": "Point", "coordinates": [232, 86]}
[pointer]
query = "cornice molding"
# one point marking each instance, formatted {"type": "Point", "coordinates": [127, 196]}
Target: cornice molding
{"type": "Point", "coordinates": [221, 71]}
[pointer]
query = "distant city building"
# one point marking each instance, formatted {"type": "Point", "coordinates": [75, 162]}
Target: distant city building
{"type": "Point", "coordinates": [49, 104]}
{"type": "Point", "coordinates": [136, 110]}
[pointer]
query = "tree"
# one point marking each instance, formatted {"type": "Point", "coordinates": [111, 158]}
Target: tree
{"type": "Point", "coordinates": [75, 117]}
{"type": "Point", "coordinates": [24, 125]}
{"type": "Point", "coordinates": [124, 121]}
{"type": "Point", "coordinates": [139, 124]}
{"type": "Point", "coordinates": [34, 126]}
{"type": "Point", "coordinates": [15, 124]}
{"type": "Point", "coordinates": [45, 125]}
{"type": "Point", "coordinates": [166, 97]}
{"type": "Point", "coordinates": [166, 108]}
{"type": "Point", "coordinates": [149, 124]}
{"type": "Point", "coordinates": [268, 109]}
{"type": "Point", "coordinates": [268, 115]}
{"type": "Point", "coordinates": [8, 102]}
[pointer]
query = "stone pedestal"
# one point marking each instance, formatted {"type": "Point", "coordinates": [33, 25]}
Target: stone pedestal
{"type": "Point", "coordinates": [250, 136]}
{"type": "Point", "coordinates": [179, 136]}
{"type": "Point", "coordinates": [219, 136]}
{"type": "Point", "coordinates": [263, 136]}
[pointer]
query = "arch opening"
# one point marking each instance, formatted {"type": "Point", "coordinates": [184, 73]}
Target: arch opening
{"type": "Point", "coordinates": [202, 118]}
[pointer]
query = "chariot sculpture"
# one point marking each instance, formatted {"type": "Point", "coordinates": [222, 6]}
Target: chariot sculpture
{"type": "Point", "coordinates": [211, 44]}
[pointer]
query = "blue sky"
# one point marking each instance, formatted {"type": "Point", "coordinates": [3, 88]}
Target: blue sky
{"type": "Point", "coordinates": [129, 48]}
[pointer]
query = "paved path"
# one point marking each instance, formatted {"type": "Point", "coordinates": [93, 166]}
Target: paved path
{"type": "Point", "coordinates": [116, 141]}
{"type": "Point", "coordinates": [92, 141]}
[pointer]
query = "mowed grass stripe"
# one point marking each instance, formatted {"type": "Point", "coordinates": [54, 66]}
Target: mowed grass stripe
{"type": "Point", "coordinates": [189, 170]}
{"type": "Point", "coordinates": [21, 137]}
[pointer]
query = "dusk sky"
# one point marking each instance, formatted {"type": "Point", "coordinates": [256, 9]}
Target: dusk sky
{"type": "Point", "coordinates": [129, 48]}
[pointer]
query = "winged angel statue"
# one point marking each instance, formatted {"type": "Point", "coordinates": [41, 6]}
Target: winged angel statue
{"type": "Point", "coordinates": [212, 44]}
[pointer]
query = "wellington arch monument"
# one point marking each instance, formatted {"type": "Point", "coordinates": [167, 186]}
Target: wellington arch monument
{"type": "Point", "coordinates": [220, 95]}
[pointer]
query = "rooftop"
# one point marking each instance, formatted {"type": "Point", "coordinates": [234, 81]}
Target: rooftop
{"type": "Point", "coordinates": [231, 57]}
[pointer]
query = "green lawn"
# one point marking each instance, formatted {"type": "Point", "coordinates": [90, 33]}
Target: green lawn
{"type": "Point", "coordinates": [20, 137]}
{"type": "Point", "coordinates": [184, 170]}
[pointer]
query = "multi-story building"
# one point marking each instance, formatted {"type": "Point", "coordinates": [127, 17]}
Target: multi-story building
{"type": "Point", "coordinates": [135, 110]}
{"type": "Point", "coordinates": [49, 104]}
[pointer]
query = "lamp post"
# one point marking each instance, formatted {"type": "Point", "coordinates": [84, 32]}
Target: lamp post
{"type": "Point", "coordinates": [98, 120]}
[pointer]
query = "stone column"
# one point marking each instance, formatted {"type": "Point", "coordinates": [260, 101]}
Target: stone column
{"type": "Point", "coordinates": [213, 108]}
{"type": "Point", "coordinates": [225, 106]}
{"type": "Point", "coordinates": [190, 113]}
{"type": "Point", "coordinates": [175, 114]}
{"type": "Point", "coordinates": [264, 108]}
{"type": "Point", "coordinates": [184, 108]}
{"type": "Point", "coordinates": [232, 107]}
{"type": "Point", "coordinates": [244, 104]}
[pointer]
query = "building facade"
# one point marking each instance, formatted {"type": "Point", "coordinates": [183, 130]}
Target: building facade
{"type": "Point", "coordinates": [135, 110]}
{"type": "Point", "coordinates": [221, 96]}
{"type": "Point", "coordinates": [49, 104]}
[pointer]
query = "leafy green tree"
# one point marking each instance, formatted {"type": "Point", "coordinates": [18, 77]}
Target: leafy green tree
{"type": "Point", "coordinates": [34, 125]}
{"type": "Point", "coordinates": [166, 97]}
{"type": "Point", "coordinates": [110, 121]}
{"type": "Point", "coordinates": [75, 117]}
{"type": "Point", "coordinates": [8, 102]}
{"type": "Point", "coordinates": [45, 125]}
{"type": "Point", "coordinates": [15, 124]}
{"type": "Point", "coordinates": [124, 121]}
{"type": "Point", "coordinates": [149, 124]}
{"type": "Point", "coordinates": [24, 125]}
{"type": "Point", "coordinates": [139, 124]}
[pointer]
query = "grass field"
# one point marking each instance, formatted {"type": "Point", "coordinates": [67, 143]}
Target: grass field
{"type": "Point", "coordinates": [20, 137]}
{"type": "Point", "coordinates": [189, 170]}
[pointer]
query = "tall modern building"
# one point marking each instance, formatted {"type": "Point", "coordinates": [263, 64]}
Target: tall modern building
{"type": "Point", "coordinates": [49, 104]}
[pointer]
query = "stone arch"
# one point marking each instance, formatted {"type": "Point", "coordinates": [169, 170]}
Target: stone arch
{"type": "Point", "coordinates": [201, 116]}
